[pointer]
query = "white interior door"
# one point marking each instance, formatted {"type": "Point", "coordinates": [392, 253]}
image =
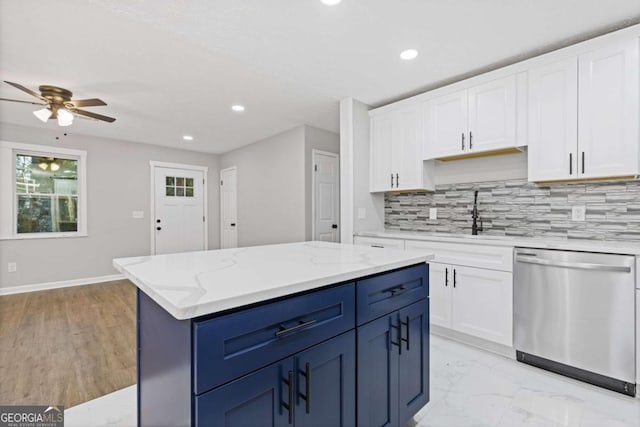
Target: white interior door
{"type": "Point", "coordinates": [179, 205]}
{"type": "Point", "coordinates": [229, 208]}
{"type": "Point", "coordinates": [326, 196]}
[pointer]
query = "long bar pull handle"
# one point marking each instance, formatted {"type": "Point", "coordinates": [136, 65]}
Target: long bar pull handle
{"type": "Point", "coordinates": [407, 325]}
{"type": "Point", "coordinates": [392, 180]}
{"type": "Point", "coordinates": [570, 163]}
{"type": "Point", "coordinates": [454, 277]}
{"type": "Point", "coordinates": [462, 141]}
{"type": "Point", "coordinates": [307, 388]}
{"type": "Point", "coordinates": [301, 325]}
{"type": "Point", "coordinates": [399, 342]}
{"type": "Point", "coordinates": [583, 162]}
{"type": "Point", "coordinates": [397, 181]}
{"type": "Point", "coordinates": [289, 406]}
{"type": "Point", "coordinates": [576, 265]}
{"type": "Point", "coordinates": [446, 277]}
{"type": "Point", "coordinates": [470, 140]}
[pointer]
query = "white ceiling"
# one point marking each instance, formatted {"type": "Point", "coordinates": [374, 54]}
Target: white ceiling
{"type": "Point", "coordinates": [173, 67]}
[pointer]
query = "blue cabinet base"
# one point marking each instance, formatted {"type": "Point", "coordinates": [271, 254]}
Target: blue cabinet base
{"type": "Point", "coordinates": [313, 386]}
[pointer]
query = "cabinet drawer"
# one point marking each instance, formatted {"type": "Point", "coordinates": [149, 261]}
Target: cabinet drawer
{"type": "Point", "coordinates": [388, 292]}
{"type": "Point", "coordinates": [379, 242]}
{"type": "Point", "coordinates": [233, 345]}
{"type": "Point", "coordinates": [471, 255]}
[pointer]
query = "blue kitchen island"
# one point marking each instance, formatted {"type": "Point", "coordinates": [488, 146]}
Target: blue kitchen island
{"type": "Point", "coordinates": [301, 334]}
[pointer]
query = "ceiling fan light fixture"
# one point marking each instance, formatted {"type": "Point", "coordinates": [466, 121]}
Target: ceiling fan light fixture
{"type": "Point", "coordinates": [65, 118]}
{"type": "Point", "coordinates": [43, 114]}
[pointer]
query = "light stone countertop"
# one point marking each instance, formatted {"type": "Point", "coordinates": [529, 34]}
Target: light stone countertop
{"type": "Point", "coordinates": [193, 284]}
{"type": "Point", "coordinates": [604, 246]}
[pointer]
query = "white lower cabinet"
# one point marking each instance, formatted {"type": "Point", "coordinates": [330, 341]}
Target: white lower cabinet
{"type": "Point", "coordinates": [474, 301]}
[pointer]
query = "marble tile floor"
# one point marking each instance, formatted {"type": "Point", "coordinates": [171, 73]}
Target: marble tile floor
{"type": "Point", "coordinates": [469, 388]}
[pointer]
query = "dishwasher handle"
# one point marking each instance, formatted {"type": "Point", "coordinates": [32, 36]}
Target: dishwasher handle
{"type": "Point", "coordinates": [578, 265]}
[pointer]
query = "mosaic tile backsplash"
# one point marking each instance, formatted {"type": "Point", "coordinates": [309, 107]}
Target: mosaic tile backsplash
{"type": "Point", "coordinates": [521, 208]}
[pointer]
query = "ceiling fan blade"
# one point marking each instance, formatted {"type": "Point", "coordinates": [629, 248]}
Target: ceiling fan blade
{"type": "Point", "coordinates": [93, 102]}
{"type": "Point", "coordinates": [92, 115]}
{"type": "Point", "coordinates": [24, 102]}
{"type": "Point", "coordinates": [27, 90]}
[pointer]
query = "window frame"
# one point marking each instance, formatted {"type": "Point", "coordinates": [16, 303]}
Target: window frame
{"type": "Point", "coordinates": [8, 209]}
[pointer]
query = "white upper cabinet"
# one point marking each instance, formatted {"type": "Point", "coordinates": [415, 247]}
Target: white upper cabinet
{"type": "Point", "coordinates": [608, 114]}
{"type": "Point", "coordinates": [445, 125]}
{"type": "Point", "coordinates": [553, 117]}
{"type": "Point", "coordinates": [584, 115]}
{"type": "Point", "coordinates": [396, 151]}
{"type": "Point", "coordinates": [478, 119]}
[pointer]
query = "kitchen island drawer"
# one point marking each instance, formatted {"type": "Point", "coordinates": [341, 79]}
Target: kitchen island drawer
{"type": "Point", "coordinates": [382, 294]}
{"type": "Point", "coordinates": [232, 345]}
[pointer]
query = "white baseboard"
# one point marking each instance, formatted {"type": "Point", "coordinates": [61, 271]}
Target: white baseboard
{"type": "Point", "coordinates": [62, 284]}
{"type": "Point", "coordinates": [480, 343]}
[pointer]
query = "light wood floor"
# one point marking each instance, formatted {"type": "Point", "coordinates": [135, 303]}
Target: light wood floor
{"type": "Point", "coordinates": [67, 346]}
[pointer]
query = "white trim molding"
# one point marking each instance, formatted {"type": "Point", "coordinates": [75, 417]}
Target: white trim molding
{"type": "Point", "coordinates": [61, 284]}
{"type": "Point", "coordinates": [204, 169]}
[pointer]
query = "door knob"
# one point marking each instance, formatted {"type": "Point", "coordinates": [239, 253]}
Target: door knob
{"type": "Point", "coordinates": [334, 225]}
{"type": "Point", "coordinates": [158, 221]}
{"type": "Point", "coordinates": [158, 228]}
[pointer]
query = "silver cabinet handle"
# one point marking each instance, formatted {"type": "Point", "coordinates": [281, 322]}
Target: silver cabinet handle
{"type": "Point", "coordinates": [397, 181]}
{"type": "Point", "coordinates": [462, 141]}
{"type": "Point", "coordinates": [377, 246]}
{"type": "Point", "coordinates": [577, 265]}
{"type": "Point", "coordinates": [470, 140]}
{"type": "Point", "coordinates": [392, 180]}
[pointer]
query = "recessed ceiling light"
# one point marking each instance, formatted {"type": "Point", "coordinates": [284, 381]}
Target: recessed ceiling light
{"type": "Point", "coordinates": [331, 2]}
{"type": "Point", "coordinates": [187, 138]}
{"type": "Point", "coordinates": [237, 108]}
{"type": "Point", "coordinates": [409, 54]}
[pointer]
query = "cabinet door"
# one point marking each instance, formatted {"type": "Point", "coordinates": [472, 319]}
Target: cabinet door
{"type": "Point", "coordinates": [608, 110]}
{"type": "Point", "coordinates": [257, 399]}
{"type": "Point", "coordinates": [380, 160]}
{"type": "Point", "coordinates": [553, 118]}
{"type": "Point", "coordinates": [440, 287]}
{"type": "Point", "coordinates": [445, 126]}
{"type": "Point", "coordinates": [326, 383]}
{"type": "Point", "coordinates": [378, 373]}
{"type": "Point", "coordinates": [492, 115]}
{"type": "Point", "coordinates": [407, 164]}
{"type": "Point", "coordinates": [483, 304]}
{"type": "Point", "coordinates": [413, 368]}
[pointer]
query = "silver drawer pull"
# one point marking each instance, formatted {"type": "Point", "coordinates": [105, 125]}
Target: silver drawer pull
{"type": "Point", "coordinates": [302, 325]}
{"type": "Point", "coordinates": [377, 246]}
{"type": "Point", "coordinates": [577, 265]}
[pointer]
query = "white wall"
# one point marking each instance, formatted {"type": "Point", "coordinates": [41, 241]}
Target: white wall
{"type": "Point", "coordinates": [271, 188]}
{"type": "Point", "coordinates": [315, 139]}
{"type": "Point", "coordinates": [118, 183]}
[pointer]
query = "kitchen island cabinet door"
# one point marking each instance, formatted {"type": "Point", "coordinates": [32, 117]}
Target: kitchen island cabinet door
{"type": "Point", "coordinates": [258, 399]}
{"type": "Point", "coordinates": [326, 384]}
{"type": "Point", "coordinates": [378, 373]}
{"type": "Point", "coordinates": [413, 378]}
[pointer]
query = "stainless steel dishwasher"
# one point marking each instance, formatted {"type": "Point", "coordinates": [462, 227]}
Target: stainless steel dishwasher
{"type": "Point", "coordinates": [574, 314]}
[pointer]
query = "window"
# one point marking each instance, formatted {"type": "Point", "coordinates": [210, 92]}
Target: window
{"type": "Point", "coordinates": [47, 194]}
{"type": "Point", "coordinates": [178, 186]}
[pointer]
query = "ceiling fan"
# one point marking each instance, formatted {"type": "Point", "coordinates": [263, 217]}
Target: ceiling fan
{"type": "Point", "coordinates": [59, 105]}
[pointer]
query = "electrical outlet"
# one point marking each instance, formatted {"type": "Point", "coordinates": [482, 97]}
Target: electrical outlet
{"type": "Point", "coordinates": [578, 213]}
{"type": "Point", "coordinates": [362, 213]}
{"type": "Point", "coordinates": [137, 214]}
{"type": "Point", "coordinates": [433, 213]}
{"type": "Point", "coordinates": [12, 267]}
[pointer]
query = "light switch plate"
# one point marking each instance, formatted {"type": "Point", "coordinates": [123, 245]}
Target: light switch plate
{"type": "Point", "coordinates": [137, 214]}
{"type": "Point", "coordinates": [578, 213]}
{"type": "Point", "coordinates": [433, 213]}
{"type": "Point", "coordinates": [362, 213]}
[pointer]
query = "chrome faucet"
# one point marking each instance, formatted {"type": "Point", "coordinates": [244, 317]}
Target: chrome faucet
{"type": "Point", "coordinates": [475, 216]}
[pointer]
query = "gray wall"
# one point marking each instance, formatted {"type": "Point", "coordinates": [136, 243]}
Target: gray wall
{"type": "Point", "coordinates": [373, 203]}
{"type": "Point", "coordinates": [271, 188]}
{"type": "Point", "coordinates": [118, 183]}
{"type": "Point", "coordinates": [315, 139]}
{"type": "Point", "coordinates": [520, 208]}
